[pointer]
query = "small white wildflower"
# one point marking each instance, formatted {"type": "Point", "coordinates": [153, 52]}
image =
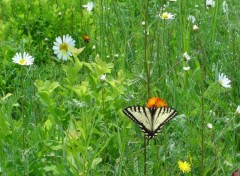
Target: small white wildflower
{"type": "Point", "coordinates": [210, 3]}
{"type": "Point", "coordinates": [209, 125]}
{"type": "Point", "coordinates": [195, 27]}
{"type": "Point", "coordinates": [212, 113]}
{"type": "Point", "coordinates": [59, 13]}
{"type": "Point", "coordinates": [191, 18]}
{"type": "Point", "coordinates": [238, 109]}
{"type": "Point", "coordinates": [186, 68]}
{"type": "Point", "coordinates": [103, 78]}
{"type": "Point", "coordinates": [186, 56]}
{"type": "Point", "coordinates": [224, 81]}
{"type": "Point", "coordinates": [143, 23]}
{"type": "Point", "coordinates": [116, 55]}
{"type": "Point", "coordinates": [89, 6]}
{"type": "Point", "coordinates": [94, 47]}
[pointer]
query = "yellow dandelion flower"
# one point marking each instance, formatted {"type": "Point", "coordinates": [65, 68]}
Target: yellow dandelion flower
{"type": "Point", "coordinates": [184, 166]}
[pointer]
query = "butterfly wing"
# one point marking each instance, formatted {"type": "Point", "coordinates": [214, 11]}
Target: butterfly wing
{"type": "Point", "coordinates": [142, 116]}
{"type": "Point", "coordinates": [161, 116]}
{"type": "Point", "coordinates": [150, 120]}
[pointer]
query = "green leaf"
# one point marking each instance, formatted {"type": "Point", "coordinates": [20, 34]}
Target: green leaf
{"type": "Point", "coordinates": [46, 86]}
{"type": "Point", "coordinates": [81, 90]}
{"type": "Point", "coordinates": [57, 147]}
{"type": "Point", "coordinates": [5, 97]}
{"type": "Point", "coordinates": [102, 67]}
{"type": "Point", "coordinates": [83, 133]}
{"type": "Point", "coordinates": [89, 66]}
{"type": "Point", "coordinates": [45, 98]}
{"type": "Point", "coordinates": [73, 70]}
{"type": "Point", "coordinates": [53, 169]}
{"type": "Point", "coordinates": [95, 162]}
{"type": "Point", "coordinates": [48, 124]}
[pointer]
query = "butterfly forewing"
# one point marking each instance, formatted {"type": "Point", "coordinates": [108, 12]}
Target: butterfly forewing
{"type": "Point", "coordinates": [141, 115]}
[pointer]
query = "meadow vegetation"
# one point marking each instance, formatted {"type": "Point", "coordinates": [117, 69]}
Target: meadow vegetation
{"type": "Point", "coordinates": [64, 116]}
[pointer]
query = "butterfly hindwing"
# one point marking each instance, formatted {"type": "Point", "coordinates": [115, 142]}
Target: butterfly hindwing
{"type": "Point", "coordinates": [150, 120]}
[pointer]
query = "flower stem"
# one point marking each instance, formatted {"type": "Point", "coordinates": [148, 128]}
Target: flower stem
{"type": "Point", "coordinates": [202, 102]}
{"type": "Point", "coordinates": [22, 109]}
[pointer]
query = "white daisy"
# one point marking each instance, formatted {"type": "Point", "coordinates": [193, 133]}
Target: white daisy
{"type": "Point", "coordinates": [24, 59]}
{"type": "Point", "coordinates": [224, 81]}
{"type": "Point", "coordinates": [186, 56]}
{"type": "Point", "coordinates": [63, 46]}
{"type": "Point", "coordinates": [238, 109]}
{"type": "Point", "coordinates": [167, 16]}
{"type": "Point", "coordinates": [89, 6]}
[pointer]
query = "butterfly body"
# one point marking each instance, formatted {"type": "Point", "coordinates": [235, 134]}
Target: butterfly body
{"type": "Point", "coordinates": [151, 120]}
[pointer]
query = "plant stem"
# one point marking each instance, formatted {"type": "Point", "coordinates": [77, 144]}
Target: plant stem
{"type": "Point", "coordinates": [202, 100]}
{"type": "Point", "coordinates": [167, 71]}
{"type": "Point", "coordinates": [103, 98]}
{"type": "Point", "coordinates": [22, 109]}
{"type": "Point", "coordinates": [147, 65]}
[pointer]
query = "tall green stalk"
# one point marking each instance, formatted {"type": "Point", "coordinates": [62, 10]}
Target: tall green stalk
{"type": "Point", "coordinates": [147, 70]}
{"type": "Point", "coordinates": [22, 108]}
{"type": "Point", "coordinates": [202, 102]}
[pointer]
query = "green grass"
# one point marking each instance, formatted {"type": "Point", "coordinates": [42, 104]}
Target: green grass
{"type": "Point", "coordinates": [59, 118]}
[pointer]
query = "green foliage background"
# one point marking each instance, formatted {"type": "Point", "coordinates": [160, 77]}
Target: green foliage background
{"type": "Point", "coordinates": [60, 118]}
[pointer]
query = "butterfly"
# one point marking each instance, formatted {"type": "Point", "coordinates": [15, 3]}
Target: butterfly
{"type": "Point", "coordinates": [151, 120]}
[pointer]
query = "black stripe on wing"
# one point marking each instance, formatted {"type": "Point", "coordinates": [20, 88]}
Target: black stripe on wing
{"type": "Point", "coordinates": [172, 113]}
{"type": "Point", "coordinates": [149, 114]}
{"type": "Point", "coordinates": [142, 111]}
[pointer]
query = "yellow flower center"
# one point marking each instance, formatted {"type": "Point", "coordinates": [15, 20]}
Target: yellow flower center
{"type": "Point", "coordinates": [165, 15]}
{"type": "Point", "coordinates": [22, 61]}
{"type": "Point", "coordinates": [64, 46]}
